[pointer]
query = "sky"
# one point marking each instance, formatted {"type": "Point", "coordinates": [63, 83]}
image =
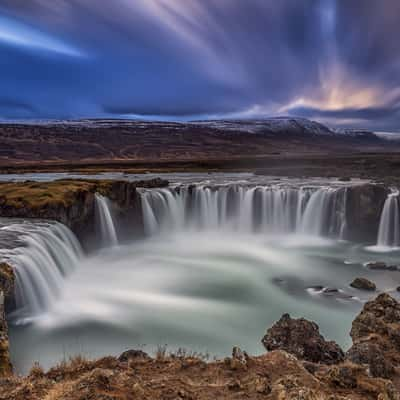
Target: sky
{"type": "Point", "coordinates": [335, 61]}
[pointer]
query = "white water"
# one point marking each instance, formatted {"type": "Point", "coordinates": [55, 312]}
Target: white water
{"type": "Point", "coordinates": [317, 211]}
{"type": "Point", "coordinates": [47, 254]}
{"type": "Point", "coordinates": [219, 264]}
{"type": "Point", "coordinates": [389, 227]}
{"type": "Point", "coordinates": [106, 222]}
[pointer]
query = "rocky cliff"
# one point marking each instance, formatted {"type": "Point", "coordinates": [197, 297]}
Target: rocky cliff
{"type": "Point", "coordinates": [71, 202]}
{"type": "Point", "coordinates": [364, 205]}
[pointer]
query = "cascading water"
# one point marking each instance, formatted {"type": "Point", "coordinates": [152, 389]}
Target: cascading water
{"type": "Point", "coordinates": [107, 226]}
{"type": "Point", "coordinates": [389, 227]}
{"type": "Point", "coordinates": [189, 285]}
{"type": "Point", "coordinates": [269, 209]}
{"type": "Point", "coordinates": [46, 254]}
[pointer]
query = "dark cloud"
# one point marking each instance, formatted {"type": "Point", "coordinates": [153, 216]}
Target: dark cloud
{"type": "Point", "coordinates": [319, 58]}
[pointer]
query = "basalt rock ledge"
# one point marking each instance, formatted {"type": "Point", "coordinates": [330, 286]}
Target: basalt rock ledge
{"type": "Point", "coordinates": [71, 202]}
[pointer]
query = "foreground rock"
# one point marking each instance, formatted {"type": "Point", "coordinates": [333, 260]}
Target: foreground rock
{"type": "Point", "coordinates": [302, 339]}
{"type": "Point", "coordinates": [363, 284]}
{"type": "Point", "coordinates": [376, 336]}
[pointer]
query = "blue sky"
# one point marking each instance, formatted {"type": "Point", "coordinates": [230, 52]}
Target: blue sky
{"type": "Point", "coordinates": [330, 60]}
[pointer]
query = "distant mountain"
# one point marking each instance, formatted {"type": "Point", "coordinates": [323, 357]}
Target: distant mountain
{"type": "Point", "coordinates": [94, 140]}
{"type": "Point", "coordinates": [269, 126]}
{"type": "Point", "coordinates": [278, 125]}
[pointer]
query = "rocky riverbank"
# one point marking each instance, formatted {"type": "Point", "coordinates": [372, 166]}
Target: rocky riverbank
{"type": "Point", "coordinates": [299, 365]}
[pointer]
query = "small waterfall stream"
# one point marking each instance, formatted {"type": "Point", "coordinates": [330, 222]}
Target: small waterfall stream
{"type": "Point", "coordinates": [107, 226]}
{"type": "Point", "coordinates": [389, 227]}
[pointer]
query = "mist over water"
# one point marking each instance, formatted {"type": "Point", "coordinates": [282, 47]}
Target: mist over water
{"type": "Point", "coordinates": [219, 263]}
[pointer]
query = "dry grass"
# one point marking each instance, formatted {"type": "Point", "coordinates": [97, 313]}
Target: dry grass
{"type": "Point", "coordinates": [161, 353]}
{"type": "Point", "coordinates": [36, 371]}
{"type": "Point", "coordinates": [58, 391]}
{"type": "Point", "coordinates": [35, 195]}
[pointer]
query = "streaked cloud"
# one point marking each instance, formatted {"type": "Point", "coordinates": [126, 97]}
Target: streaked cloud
{"type": "Point", "coordinates": [18, 34]}
{"type": "Point", "coordinates": [337, 61]}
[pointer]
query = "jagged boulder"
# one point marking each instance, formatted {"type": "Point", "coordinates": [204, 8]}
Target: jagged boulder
{"type": "Point", "coordinates": [376, 336]}
{"type": "Point", "coordinates": [302, 339]}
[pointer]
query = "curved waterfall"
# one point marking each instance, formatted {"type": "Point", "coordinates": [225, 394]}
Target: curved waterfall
{"type": "Point", "coordinates": [389, 227]}
{"type": "Point", "coordinates": [269, 209]}
{"type": "Point", "coordinates": [47, 253]}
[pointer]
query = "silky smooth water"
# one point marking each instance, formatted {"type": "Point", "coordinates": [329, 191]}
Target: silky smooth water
{"type": "Point", "coordinates": [203, 292]}
{"type": "Point", "coordinates": [221, 261]}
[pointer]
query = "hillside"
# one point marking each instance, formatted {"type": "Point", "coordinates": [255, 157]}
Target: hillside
{"type": "Point", "coordinates": [122, 140]}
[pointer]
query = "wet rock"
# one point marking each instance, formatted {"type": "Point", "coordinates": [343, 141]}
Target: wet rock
{"type": "Point", "coordinates": [7, 286]}
{"type": "Point", "coordinates": [376, 336]}
{"type": "Point", "coordinates": [381, 266]}
{"type": "Point", "coordinates": [330, 290]}
{"type": "Point", "coordinates": [363, 284]}
{"type": "Point", "coordinates": [302, 339]}
{"type": "Point", "coordinates": [364, 204]}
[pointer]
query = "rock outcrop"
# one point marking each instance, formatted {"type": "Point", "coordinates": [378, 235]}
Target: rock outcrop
{"type": "Point", "coordinates": [302, 339]}
{"type": "Point", "coordinates": [376, 336]}
{"type": "Point", "coordinates": [71, 202]}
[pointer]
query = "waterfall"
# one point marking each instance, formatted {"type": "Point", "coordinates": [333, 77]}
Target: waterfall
{"type": "Point", "coordinates": [267, 209]}
{"type": "Point", "coordinates": [46, 255]}
{"type": "Point", "coordinates": [107, 226]}
{"type": "Point", "coordinates": [389, 227]}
